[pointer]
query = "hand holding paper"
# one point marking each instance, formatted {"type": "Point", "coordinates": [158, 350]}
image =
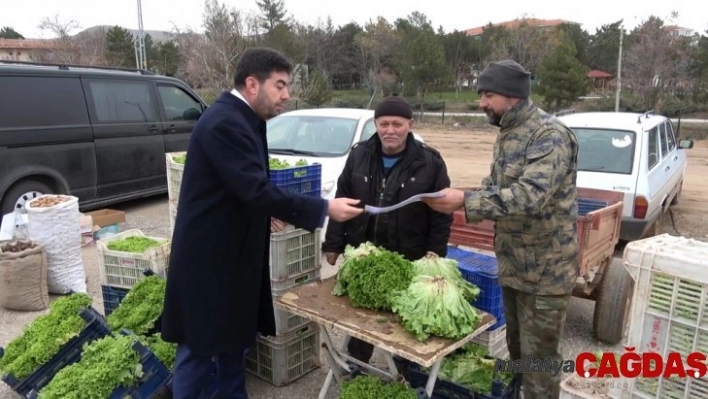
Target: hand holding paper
{"type": "Point", "coordinates": [450, 201]}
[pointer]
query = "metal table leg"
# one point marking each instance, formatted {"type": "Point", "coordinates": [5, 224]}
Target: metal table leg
{"type": "Point", "coordinates": [432, 378]}
{"type": "Point", "coordinates": [337, 366]}
{"type": "Point", "coordinates": [391, 365]}
{"type": "Point", "coordinates": [339, 363]}
{"type": "Point", "coordinates": [325, 386]}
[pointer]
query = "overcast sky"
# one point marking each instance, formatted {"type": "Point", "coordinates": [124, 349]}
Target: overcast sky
{"type": "Point", "coordinates": [25, 16]}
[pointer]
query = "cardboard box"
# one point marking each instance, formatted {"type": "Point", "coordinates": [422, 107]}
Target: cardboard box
{"type": "Point", "coordinates": [87, 229]}
{"type": "Point", "coordinates": [106, 217]}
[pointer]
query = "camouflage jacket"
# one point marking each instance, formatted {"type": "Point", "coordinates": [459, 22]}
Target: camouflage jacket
{"type": "Point", "coordinates": [531, 195]}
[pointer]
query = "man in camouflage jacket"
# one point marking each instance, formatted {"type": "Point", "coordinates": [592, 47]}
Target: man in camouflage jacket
{"type": "Point", "coordinates": [531, 195]}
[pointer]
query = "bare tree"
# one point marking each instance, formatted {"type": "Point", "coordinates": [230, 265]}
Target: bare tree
{"type": "Point", "coordinates": [224, 39]}
{"type": "Point", "coordinates": [64, 47]}
{"type": "Point", "coordinates": [93, 47]}
{"type": "Point", "coordinates": [526, 44]}
{"type": "Point", "coordinates": [210, 57]}
{"type": "Point", "coordinates": [377, 43]}
{"type": "Point", "coordinates": [656, 62]}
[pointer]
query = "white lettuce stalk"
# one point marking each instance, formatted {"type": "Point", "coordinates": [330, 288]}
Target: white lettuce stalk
{"type": "Point", "coordinates": [433, 265]}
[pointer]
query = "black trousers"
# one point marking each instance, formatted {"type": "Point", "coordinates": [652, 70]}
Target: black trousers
{"type": "Point", "coordinates": [204, 377]}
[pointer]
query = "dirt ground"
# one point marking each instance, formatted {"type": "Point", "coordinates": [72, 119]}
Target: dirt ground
{"type": "Point", "coordinates": [468, 155]}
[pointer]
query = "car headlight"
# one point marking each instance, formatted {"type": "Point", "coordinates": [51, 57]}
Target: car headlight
{"type": "Point", "coordinates": [327, 188]}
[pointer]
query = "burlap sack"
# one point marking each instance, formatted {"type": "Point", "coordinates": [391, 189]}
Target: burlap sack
{"type": "Point", "coordinates": [23, 277]}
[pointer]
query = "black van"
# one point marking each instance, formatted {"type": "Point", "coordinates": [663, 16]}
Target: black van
{"type": "Point", "coordinates": [97, 133]}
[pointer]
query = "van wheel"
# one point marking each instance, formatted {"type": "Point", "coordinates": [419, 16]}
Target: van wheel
{"type": "Point", "coordinates": [20, 193]}
{"type": "Point", "coordinates": [613, 304]}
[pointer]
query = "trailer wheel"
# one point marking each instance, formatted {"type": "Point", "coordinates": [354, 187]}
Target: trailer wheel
{"type": "Point", "coordinates": [613, 304]}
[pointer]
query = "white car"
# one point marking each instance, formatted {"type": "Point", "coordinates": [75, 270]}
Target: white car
{"type": "Point", "coordinates": [321, 135]}
{"type": "Point", "coordinates": [637, 154]}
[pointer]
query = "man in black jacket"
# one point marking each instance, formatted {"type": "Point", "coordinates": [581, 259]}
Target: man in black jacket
{"type": "Point", "coordinates": [391, 167]}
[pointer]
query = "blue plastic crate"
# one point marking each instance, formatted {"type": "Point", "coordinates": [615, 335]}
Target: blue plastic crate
{"type": "Point", "coordinates": [586, 205]}
{"type": "Point", "coordinates": [112, 297]}
{"type": "Point", "coordinates": [299, 179]}
{"type": "Point", "coordinates": [356, 371]}
{"type": "Point", "coordinates": [155, 376]}
{"type": "Point", "coordinates": [70, 353]}
{"type": "Point", "coordinates": [443, 389]}
{"type": "Point", "coordinates": [481, 270]}
{"type": "Point", "coordinates": [456, 253]}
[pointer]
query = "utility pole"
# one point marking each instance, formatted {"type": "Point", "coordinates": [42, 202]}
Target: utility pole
{"type": "Point", "coordinates": [140, 40]}
{"type": "Point", "coordinates": [619, 72]}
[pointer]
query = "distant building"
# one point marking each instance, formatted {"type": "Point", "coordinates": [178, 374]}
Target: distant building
{"type": "Point", "coordinates": [23, 49]}
{"type": "Point", "coordinates": [534, 22]}
{"type": "Point", "coordinates": [679, 31]}
{"type": "Point", "coordinates": [602, 82]}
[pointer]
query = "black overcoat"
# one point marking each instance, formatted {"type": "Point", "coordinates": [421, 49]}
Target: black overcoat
{"type": "Point", "coordinates": [218, 284]}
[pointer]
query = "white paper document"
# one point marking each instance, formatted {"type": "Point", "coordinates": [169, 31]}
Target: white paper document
{"type": "Point", "coordinates": [376, 210]}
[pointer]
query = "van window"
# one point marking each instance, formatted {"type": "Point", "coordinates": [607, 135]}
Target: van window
{"type": "Point", "coordinates": [654, 156]}
{"type": "Point", "coordinates": [606, 151]}
{"type": "Point", "coordinates": [36, 101]}
{"type": "Point", "coordinates": [176, 101]}
{"type": "Point", "coordinates": [123, 101]}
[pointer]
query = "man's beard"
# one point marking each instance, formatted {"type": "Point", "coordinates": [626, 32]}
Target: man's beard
{"type": "Point", "coordinates": [494, 118]}
{"type": "Point", "coordinates": [264, 108]}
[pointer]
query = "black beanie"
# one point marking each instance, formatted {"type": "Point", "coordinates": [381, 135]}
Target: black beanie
{"type": "Point", "coordinates": [506, 78]}
{"type": "Point", "coordinates": [393, 106]}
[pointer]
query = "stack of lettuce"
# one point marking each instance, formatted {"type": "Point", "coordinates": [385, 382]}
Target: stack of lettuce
{"type": "Point", "coordinates": [429, 295]}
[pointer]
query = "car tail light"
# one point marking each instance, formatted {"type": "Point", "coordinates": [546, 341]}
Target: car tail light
{"type": "Point", "coordinates": [641, 205]}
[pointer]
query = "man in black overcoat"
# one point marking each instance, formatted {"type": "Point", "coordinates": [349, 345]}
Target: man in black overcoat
{"type": "Point", "coordinates": [218, 284]}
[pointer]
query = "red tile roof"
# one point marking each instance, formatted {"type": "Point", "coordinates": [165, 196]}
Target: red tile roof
{"type": "Point", "coordinates": [29, 44]}
{"type": "Point", "coordinates": [595, 74]}
{"type": "Point", "coordinates": [535, 22]}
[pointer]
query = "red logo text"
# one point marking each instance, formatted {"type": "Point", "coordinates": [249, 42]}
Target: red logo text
{"type": "Point", "coordinates": [647, 365]}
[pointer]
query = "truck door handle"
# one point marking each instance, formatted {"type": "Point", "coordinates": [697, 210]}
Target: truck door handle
{"type": "Point", "coordinates": [667, 168]}
{"type": "Point", "coordinates": [172, 128]}
{"type": "Point", "coordinates": [152, 128]}
{"type": "Point", "coordinates": [675, 157]}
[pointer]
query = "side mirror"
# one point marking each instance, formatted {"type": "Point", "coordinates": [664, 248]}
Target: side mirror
{"type": "Point", "coordinates": [686, 144]}
{"type": "Point", "coordinates": [192, 114]}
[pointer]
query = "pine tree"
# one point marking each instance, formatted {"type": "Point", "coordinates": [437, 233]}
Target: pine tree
{"type": "Point", "coordinates": [562, 78]}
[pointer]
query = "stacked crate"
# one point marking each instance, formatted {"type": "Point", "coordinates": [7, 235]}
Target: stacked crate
{"type": "Point", "coordinates": [175, 168]}
{"type": "Point", "coordinates": [295, 256]}
{"type": "Point", "coordinates": [481, 270]}
{"type": "Point", "coordinates": [121, 270]}
{"type": "Point", "coordinates": [669, 311]}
